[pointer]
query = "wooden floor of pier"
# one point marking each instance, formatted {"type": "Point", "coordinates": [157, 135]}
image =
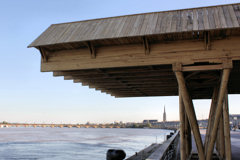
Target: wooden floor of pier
{"type": "Point", "coordinates": [235, 143]}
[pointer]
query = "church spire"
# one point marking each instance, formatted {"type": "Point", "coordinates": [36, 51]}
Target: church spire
{"type": "Point", "coordinates": [164, 115]}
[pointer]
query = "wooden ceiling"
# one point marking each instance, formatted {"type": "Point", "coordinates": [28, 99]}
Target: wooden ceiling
{"type": "Point", "coordinates": [151, 81]}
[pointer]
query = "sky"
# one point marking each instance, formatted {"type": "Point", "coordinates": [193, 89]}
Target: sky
{"type": "Point", "coordinates": [30, 96]}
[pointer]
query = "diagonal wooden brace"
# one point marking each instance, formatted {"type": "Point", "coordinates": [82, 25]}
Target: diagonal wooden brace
{"type": "Point", "coordinates": [222, 91]}
{"type": "Point", "coordinates": [190, 113]}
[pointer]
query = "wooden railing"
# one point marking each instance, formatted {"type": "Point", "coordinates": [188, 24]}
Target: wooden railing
{"type": "Point", "coordinates": [166, 151]}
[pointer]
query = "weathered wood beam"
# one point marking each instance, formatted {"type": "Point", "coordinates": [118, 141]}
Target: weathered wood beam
{"type": "Point", "coordinates": [202, 68]}
{"type": "Point", "coordinates": [123, 83]}
{"type": "Point", "coordinates": [221, 138]}
{"type": "Point", "coordinates": [165, 69]}
{"type": "Point", "coordinates": [185, 52]}
{"type": "Point", "coordinates": [226, 63]}
{"type": "Point", "coordinates": [222, 91]}
{"type": "Point", "coordinates": [182, 128]}
{"type": "Point", "coordinates": [207, 40]}
{"type": "Point", "coordinates": [43, 54]}
{"type": "Point", "coordinates": [92, 49]}
{"type": "Point", "coordinates": [227, 139]}
{"type": "Point", "coordinates": [211, 117]}
{"type": "Point", "coordinates": [188, 136]}
{"type": "Point", "coordinates": [146, 45]}
{"type": "Point", "coordinates": [190, 113]}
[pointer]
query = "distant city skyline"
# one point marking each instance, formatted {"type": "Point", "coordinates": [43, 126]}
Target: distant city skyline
{"type": "Point", "coordinates": [28, 95]}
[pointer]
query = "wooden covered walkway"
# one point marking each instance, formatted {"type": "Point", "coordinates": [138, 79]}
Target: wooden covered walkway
{"type": "Point", "coordinates": [193, 53]}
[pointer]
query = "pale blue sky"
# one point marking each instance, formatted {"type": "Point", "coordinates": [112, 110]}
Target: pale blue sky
{"type": "Point", "coordinates": [27, 95]}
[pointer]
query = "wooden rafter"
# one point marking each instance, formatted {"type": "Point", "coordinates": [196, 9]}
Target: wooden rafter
{"type": "Point", "coordinates": [121, 82]}
{"type": "Point", "coordinates": [92, 49]}
{"type": "Point", "coordinates": [146, 45]}
{"type": "Point", "coordinates": [43, 54]}
{"type": "Point", "coordinates": [207, 40]}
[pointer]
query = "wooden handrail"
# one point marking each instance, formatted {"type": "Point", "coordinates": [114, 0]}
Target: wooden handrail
{"type": "Point", "coordinates": [162, 150]}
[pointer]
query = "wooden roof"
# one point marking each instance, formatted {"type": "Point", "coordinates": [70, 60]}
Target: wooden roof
{"type": "Point", "coordinates": [132, 56]}
{"type": "Point", "coordinates": [156, 23]}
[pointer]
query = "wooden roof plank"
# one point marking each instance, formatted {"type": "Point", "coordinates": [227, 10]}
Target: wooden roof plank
{"type": "Point", "coordinates": [216, 18]}
{"type": "Point", "coordinates": [158, 24]}
{"type": "Point", "coordinates": [164, 23]}
{"type": "Point", "coordinates": [44, 36]}
{"type": "Point", "coordinates": [227, 17]}
{"type": "Point", "coordinates": [146, 22]}
{"type": "Point", "coordinates": [195, 20]}
{"type": "Point", "coordinates": [152, 24]}
{"type": "Point", "coordinates": [138, 22]}
{"type": "Point", "coordinates": [233, 16]}
{"type": "Point", "coordinates": [169, 22]}
{"type": "Point", "coordinates": [190, 20]}
{"type": "Point", "coordinates": [184, 19]}
{"type": "Point", "coordinates": [211, 18]}
{"type": "Point", "coordinates": [200, 19]}
{"type": "Point", "coordinates": [172, 22]}
{"type": "Point", "coordinates": [222, 17]}
{"type": "Point", "coordinates": [237, 12]}
{"type": "Point", "coordinates": [205, 19]}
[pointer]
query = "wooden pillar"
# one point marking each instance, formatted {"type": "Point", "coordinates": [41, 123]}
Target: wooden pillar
{"type": "Point", "coordinates": [227, 139]}
{"type": "Point", "coordinates": [221, 147]}
{"type": "Point", "coordinates": [211, 118]}
{"type": "Point", "coordinates": [188, 136]}
{"type": "Point", "coordinates": [182, 128]}
{"type": "Point", "coordinates": [222, 92]}
{"type": "Point", "coordinates": [190, 113]}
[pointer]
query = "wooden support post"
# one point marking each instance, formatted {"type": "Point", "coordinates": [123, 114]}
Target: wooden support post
{"type": "Point", "coordinates": [227, 140]}
{"type": "Point", "coordinates": [221, 138]}
{"type": "Point", "coordinates": [190, 113]}
{"type": "Point", "coordinates": [217, 143]}
{"type": "Point", "coordinates": [222, 91]}
{"type": "Point", "coordinates": [188, 136]}
{"type": "Point", "coordinates": [182, 128]}
{"type": "Point", "coordinates": [211, 118]}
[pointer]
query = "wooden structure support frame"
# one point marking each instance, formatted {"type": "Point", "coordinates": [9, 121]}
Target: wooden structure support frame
{"type": "Point", "coordinates": [218, 124]}
{"type": "Point", "coordinates": [187, 101]}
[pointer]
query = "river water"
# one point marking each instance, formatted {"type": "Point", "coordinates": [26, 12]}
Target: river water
{"type": "Point", "coordinates": [73, 143]}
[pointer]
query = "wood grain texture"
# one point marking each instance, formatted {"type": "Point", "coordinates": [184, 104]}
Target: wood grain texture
{"type": "Point", "coordinates": [197, 19]}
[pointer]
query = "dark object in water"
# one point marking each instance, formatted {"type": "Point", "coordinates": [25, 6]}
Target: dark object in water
{"type": "Point", "coordinates": [113, 154]}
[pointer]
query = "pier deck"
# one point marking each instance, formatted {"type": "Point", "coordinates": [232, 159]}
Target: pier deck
{"type": "Point", "coordinates": [235, 143]}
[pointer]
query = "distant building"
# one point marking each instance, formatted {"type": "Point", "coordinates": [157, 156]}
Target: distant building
{"type": "Point", "coordinates": [150, 121]}
{"type": "Point", "coordinates": [164, 115]}
{"type": "Point", "coordinates": [234, 120]}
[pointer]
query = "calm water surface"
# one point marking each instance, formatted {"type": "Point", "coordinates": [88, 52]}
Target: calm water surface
{"type": "Point", "coordinates": [73, 143]}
